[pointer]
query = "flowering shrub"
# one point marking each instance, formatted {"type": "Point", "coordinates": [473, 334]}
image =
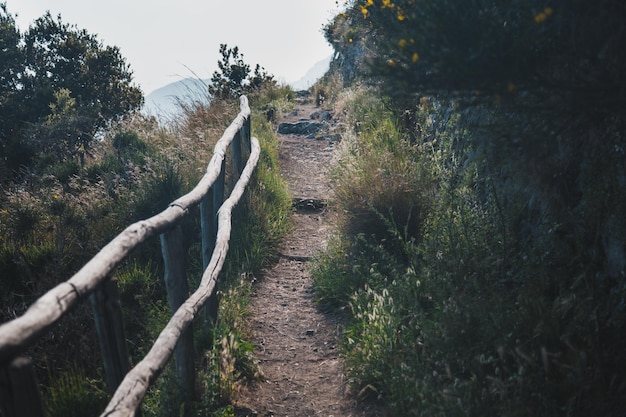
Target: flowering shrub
{"type": "Point", "coordinates": [489, 47]}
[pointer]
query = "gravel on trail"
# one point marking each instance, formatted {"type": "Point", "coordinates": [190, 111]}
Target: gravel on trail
{"type": "Point", "coordinates": [296, 342]}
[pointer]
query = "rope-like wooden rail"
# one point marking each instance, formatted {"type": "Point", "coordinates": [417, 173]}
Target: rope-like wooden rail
{"type": "Point", "coordinates": [17, 335]}
{"type": "Point", "coordinates": [134, 386]}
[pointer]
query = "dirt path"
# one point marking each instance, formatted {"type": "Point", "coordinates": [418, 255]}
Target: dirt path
{"type": "Point", "coordinates": [296, 342]}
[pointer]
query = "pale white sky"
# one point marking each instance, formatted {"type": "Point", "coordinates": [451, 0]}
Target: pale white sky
{"type": "Point", "coordinates": [166, 41]}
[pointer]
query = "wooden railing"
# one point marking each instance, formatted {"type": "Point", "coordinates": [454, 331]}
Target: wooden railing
{"type": "Point", "coordinates": [18, 388]}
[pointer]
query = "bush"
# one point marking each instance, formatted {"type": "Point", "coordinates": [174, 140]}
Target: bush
{"type": "Point", "coordinates": [487, 46]}
{"type": "Point", "coordinates": [72, 394]}
{"type": "Point", "coordinates": [485, 312]}
{"type": "Point", "coordinates": [379, 175]}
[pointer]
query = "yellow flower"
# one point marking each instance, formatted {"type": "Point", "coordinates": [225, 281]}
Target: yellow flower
{"type": "Point", "coordinates": [364, 11]}
{"type": "Point", "coordinates": [543, 16]}
{"type": "Point", "coordinates": [402, 43]}
{"type": "Point", "coordinates": [388, 3]}
{"type": "Point", "coordinates": [391, 62]}
{"type": "Point", "coordinates": [370, 2]}
{"type": "Point", "coordinates": [160, 176]}
{"type": "Point", "coordinates": [401, 16]}
{"type": "Point", "coordinates": [415, 57]}
{"type": "Point", "coordinates": [56, 196]}
{"type": "Point", "coordinates": [540, 18]}
{"type": "Point", "coordinates": [511, 87]}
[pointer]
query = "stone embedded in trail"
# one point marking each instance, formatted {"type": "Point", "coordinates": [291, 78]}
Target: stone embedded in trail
{"type": "Point", "coordinates": [324, 116]}
{"type": "Point", "coordinates": [303, 94]}
{"type": "Point", "coordinates": [299, 128]}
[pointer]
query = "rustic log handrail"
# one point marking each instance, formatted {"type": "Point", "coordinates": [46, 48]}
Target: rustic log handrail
{"type": "Point", "coordinates": [134, 386]}
{"type": "Point", "coordinates": [17, 335]}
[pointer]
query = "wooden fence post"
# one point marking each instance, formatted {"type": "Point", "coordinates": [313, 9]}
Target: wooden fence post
{"type": "Point", "coordinates": [107, 313]}
{"type": "Point", "coordinates": [247, 126]}
{"type": "Point", "coordinates": [235, 149]}
{"type": "Point", "coordinates": [19, 390]}
{"type": "Point", "coordinates": [172, 247]}
{"type": "Point", "coordinates": [208, 227]}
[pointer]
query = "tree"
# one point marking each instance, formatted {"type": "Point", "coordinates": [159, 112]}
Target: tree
{"type": "Point", "coordinates": [233, 77]}
{"type": "Point", "coordinates": [10, 52]}
{"type": "Point", "coordinates": [56, 61]}
{"type": "Point", "coordinates": [62, 56]}
{"type": "Point", "coordinates": [11, 68]}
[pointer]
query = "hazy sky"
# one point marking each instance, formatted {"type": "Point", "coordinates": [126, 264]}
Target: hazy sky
{"type": "Point", "coordinates": [165, 41]}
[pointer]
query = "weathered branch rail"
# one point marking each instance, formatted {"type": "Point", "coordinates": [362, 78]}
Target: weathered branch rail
{"type": "Point", "coordinates": [94, 281]}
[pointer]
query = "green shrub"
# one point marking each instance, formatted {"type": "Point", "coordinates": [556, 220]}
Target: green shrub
{"type": "Point", "coordinates": [106, 168]}
{"type": "Point", "coordinates": [485, 312]}
{"type": "Point", "coordinates": [380, 175]}
{"type": "Point", "coordinates": [488, 47]}
{"type": "Point", "coordinates": [128, 140]}
{"type": "Point", "coordinates": [72, 394]}
{"type": "Point", "coordinates": [164, 185]}
{"type": "Point", "coordinates": [228, 355]}
{"type": "Point", "coordinates": [334, 284]}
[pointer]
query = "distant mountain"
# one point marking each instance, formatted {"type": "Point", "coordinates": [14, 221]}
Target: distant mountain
{"type": "Point", "coordinates": [313, 75]}
{"type": "Point", "coordinates": [163, 103]}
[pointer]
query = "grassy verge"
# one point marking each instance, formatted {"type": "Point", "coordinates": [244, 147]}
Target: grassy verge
{"type": "Point", "coordinates": [460, 300]}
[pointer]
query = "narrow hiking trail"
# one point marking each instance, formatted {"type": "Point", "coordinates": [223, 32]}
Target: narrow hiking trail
{"type": "Point", "coordinates": [297, 343]}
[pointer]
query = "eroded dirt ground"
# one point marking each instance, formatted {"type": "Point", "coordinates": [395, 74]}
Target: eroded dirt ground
{"type": "Point", "coordinates": [297, 343]}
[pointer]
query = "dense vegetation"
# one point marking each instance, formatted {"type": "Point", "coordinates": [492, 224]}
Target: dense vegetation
{"type": "Point", "coordinates": [482, 258]}
{"type": "Point", "coordinates": [79, 165]}
{"type": "Point", "coordinates": [59, 86]}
